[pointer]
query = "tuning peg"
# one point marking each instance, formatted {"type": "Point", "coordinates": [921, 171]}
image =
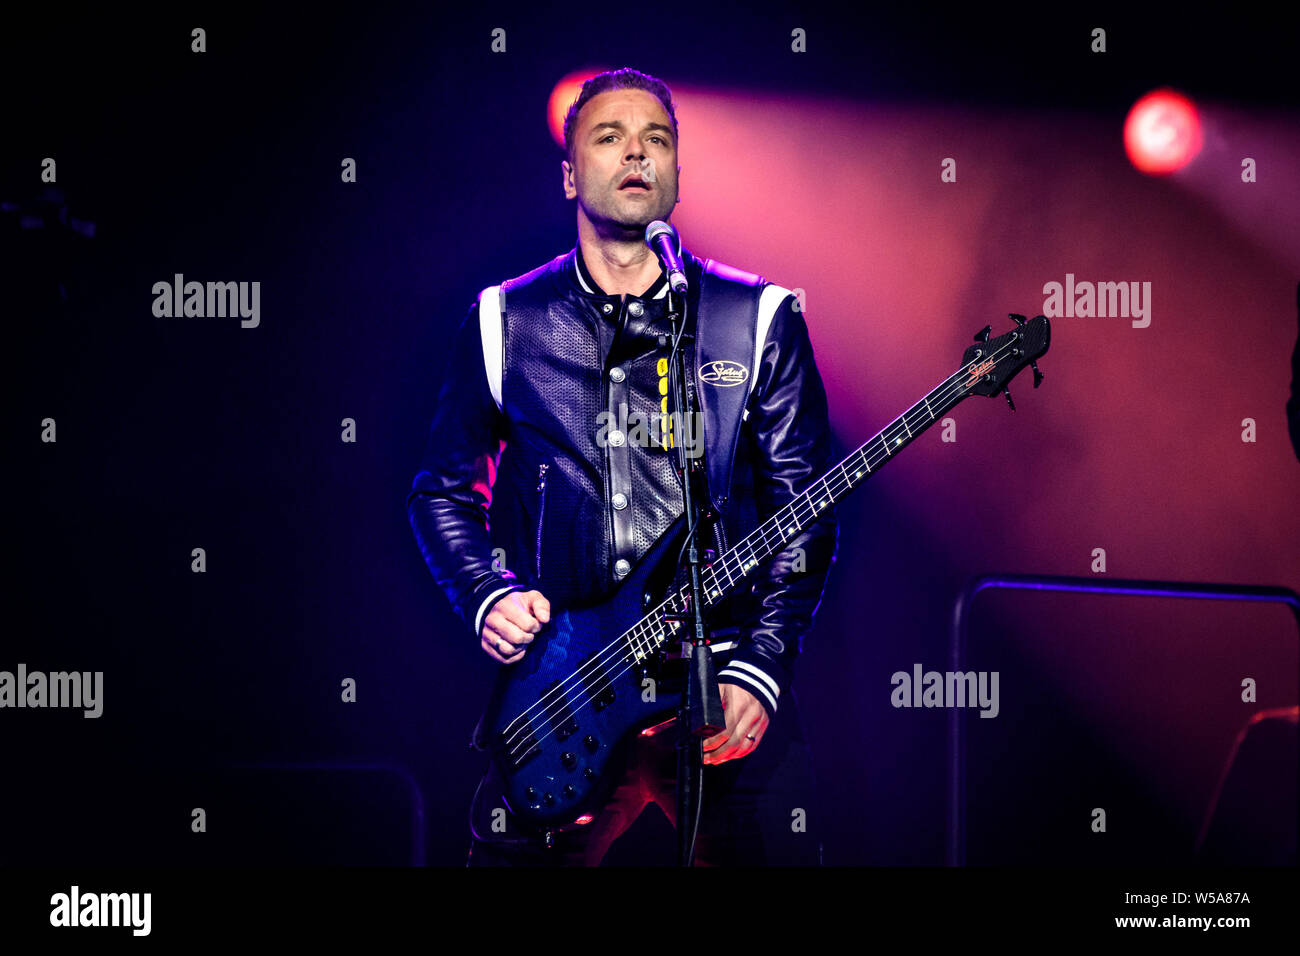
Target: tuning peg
{"type": "Point", "coordinates": [1038, 376]}
{"type": "Point", "coordinates": [1018, 319]}
{"type": "Point", "coordinates": [1007, 393]}
{"type": "Point", "coordinates": [983, 334]}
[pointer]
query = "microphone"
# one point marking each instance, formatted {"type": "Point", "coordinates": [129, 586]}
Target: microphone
{"type": "Point", "coordinates": [662, 238]}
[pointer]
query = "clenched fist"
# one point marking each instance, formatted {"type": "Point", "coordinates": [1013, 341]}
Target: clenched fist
{"type": "Point", "coordinates": [511, 624]}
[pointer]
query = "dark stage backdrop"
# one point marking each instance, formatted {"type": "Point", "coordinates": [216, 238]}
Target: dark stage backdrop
{"type": "Point", "coordinates": [821, 170]}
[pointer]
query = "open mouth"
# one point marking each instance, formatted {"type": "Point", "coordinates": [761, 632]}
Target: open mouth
{"type": "Point", "coordinates": [635, 184]}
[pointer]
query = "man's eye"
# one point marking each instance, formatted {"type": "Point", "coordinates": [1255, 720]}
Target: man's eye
{"type": "Point", "coordinates": [610, 136]}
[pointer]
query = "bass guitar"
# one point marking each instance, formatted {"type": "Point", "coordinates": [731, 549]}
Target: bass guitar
{"type": "Point", "coordinates": [559, 722]}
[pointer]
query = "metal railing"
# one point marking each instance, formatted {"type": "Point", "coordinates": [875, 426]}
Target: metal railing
{"type": "Point", "coordinates": [955, 853]}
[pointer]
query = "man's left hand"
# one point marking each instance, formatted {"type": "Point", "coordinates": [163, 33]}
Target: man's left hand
{"type": "Point", "coordinates": [746, 717]}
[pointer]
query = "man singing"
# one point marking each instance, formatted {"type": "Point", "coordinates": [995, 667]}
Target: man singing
{"type": "Point", "coordinates": [530, 432]}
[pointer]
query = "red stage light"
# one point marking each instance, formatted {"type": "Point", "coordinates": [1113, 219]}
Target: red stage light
{"type": "Point", "coordinates": [1162, 133]}
{"type": "Point", "coordinates": [562, 97]}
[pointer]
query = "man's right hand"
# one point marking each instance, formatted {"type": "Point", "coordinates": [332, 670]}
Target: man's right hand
{"type": "Point", "coordinates": [511, 624]}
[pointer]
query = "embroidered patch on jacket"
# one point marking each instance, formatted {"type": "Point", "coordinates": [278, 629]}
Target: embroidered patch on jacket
{"type": "Point", "coordinates": [723, 373]}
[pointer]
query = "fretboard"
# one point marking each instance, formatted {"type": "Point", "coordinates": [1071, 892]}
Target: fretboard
{"type": "Point", "coordinates": [771, 537]}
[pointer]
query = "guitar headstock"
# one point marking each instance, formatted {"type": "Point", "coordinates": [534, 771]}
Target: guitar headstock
{"type": "Point", "coordinates": [990, 364]}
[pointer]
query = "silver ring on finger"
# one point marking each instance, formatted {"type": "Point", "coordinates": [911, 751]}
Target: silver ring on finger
{"type": "Point", "coordinates": [750, 737]}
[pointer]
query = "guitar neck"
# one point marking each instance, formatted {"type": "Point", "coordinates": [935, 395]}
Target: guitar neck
{"type": "Point", "coordinates": [770, 537]}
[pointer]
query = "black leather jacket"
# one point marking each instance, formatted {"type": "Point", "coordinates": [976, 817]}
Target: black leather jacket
{"type": "Point", "coordinates": [525, 483]}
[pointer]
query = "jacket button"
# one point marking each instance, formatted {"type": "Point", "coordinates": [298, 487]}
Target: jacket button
{"type": "Point", "coordinates": [636, 308]}
{"type": "Point", "coordinates": [616, 374]}
{"type": "Point", "coordinates": [607, 308]}
{"type": "Point", "coordinates": [619, 501]}
{"type": "Point", "coordinates": [622, 567]}
{"type": "Point", "coordinates": [616, 438]}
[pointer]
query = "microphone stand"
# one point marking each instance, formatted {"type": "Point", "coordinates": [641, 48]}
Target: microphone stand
{"type": "Point", "coordinates": [701, 714]}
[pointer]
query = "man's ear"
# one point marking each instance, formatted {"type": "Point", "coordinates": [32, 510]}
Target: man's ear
{"type": "Point", "coordinates": [566, 175]}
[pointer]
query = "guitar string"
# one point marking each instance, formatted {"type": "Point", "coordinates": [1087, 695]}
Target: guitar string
{"type": "Point", "coordinates": [643, 637]}
{"type": "Point", "coordinates": [650, 634]}
{"type": "Point", "coordinates": [651, 639]}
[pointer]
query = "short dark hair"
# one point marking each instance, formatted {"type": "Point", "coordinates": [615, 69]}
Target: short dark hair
{"type": "Point", "coordinates": [624, 79]}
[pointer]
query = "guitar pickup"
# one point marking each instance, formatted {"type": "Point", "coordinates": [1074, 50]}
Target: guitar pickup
{"type": "Point", "coordinates": [596, 682]}
{"type": "Point", "coordinates": [562, 721]}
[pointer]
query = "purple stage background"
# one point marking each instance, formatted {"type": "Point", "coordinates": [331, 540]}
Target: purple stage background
{"type": "Point", "coordinates": [820, 171]}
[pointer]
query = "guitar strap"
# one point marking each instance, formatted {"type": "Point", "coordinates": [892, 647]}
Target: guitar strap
{"type": "Point", "coordinates": [724, 345]}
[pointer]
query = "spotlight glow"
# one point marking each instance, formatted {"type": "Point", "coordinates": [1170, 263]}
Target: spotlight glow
{"type": "Point", "coordinates": [1162, 133]}
{"type": "Point", "coordinates": [562, 97]}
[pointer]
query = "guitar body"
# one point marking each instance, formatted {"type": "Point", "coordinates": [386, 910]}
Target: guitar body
{"type": "Point", "coordinates": [560, 722]}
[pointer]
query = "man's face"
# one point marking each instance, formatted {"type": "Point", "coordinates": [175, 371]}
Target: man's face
{"type": "Point", "coordinates": [620, 134]}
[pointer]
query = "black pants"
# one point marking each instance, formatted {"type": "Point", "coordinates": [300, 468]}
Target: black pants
{"type": "Point", "coordinates": [757, 810]}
